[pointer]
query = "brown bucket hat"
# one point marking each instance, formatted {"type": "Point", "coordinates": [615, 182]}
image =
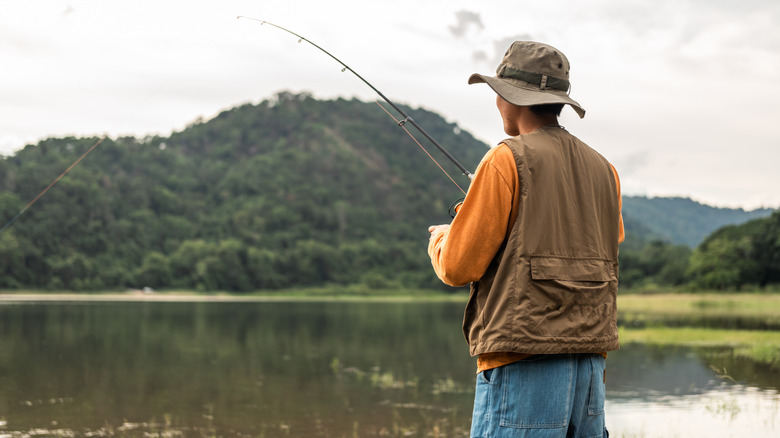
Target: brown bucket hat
{"type": "Point", "coordinates": [532, 73]}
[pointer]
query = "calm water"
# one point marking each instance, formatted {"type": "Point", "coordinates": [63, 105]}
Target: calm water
{"type": "Point", "coordinates": [330, 369]}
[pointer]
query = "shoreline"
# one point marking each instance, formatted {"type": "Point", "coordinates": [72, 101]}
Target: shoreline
{"type": "Point", "coordinates": [733, 303]}
{"type": "Point", "coordinates": [193, 297]}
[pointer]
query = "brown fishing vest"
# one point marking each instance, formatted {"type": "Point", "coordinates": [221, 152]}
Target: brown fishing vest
{"type": "Point", "coordinates": [552, 286]}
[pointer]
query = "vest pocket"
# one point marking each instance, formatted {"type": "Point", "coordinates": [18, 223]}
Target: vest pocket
{"type": "Point", "coordinates": [570, 302]}
{"type": "Point", "coordinates": [571, 269]}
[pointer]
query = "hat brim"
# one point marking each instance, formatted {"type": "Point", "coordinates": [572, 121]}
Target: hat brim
{"type": "Point", "coordinates": [524, 94]}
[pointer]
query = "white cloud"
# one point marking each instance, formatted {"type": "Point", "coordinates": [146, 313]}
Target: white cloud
{"type": "Point", "coordinates": [465, 21]}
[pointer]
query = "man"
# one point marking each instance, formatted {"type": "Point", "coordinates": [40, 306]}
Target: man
{"type": "Point", "coordinates": [537, 237]}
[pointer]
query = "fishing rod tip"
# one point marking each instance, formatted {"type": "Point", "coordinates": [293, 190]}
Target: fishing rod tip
{"type": "Point", "coordinates": [262, 22]}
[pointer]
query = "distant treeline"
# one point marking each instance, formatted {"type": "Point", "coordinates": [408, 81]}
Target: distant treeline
{"type": "Point", "coordinates": [290, 192]}
{"type": "Point", "coordinates": [731, 258]}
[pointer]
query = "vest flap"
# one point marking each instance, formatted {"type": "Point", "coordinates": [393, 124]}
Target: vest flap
{"type": "Point", "coordinates": [571, 269]}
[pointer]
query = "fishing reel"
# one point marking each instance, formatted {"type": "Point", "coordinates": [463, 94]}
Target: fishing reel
{"type": "Point", "coordinates": [455, 206]}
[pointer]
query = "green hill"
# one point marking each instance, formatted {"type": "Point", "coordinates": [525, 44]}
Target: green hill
{"type": "Point", "coordinates": [291, 191]}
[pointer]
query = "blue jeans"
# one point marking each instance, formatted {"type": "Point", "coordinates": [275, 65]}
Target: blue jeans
{"type": "Point", "coordinates": [544, 396]}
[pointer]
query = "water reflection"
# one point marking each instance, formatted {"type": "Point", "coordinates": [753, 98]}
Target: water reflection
{"type": "Point", "coordinates": [687, 392]}
{"type": "Point", "coordinates": [314, 369]}
{"type": "Point", "coordinates": [732, 411]}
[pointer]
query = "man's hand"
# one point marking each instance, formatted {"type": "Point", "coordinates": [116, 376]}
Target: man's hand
{"type": "Point", "coordinates": [436, 229]}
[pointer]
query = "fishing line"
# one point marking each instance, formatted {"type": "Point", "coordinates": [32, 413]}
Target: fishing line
{"type": "Point", "coordinates": [52, 184]}
{"type": "Point", "coordinates": [405, 117]}
{"type": "Point", "coordinates": [421, 147]}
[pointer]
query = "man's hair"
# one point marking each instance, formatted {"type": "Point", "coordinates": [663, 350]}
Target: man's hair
{"type": "Point", "coordinates": [548, 108]}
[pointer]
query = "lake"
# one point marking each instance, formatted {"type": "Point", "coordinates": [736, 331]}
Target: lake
{"type": "Point", "coordinates": [320, 368]}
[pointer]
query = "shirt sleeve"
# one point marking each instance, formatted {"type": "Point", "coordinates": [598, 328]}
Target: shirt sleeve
{"type": "Point", "coordinates": [462, 253]}
{"type": "Point", "coordinates": [622, 232]}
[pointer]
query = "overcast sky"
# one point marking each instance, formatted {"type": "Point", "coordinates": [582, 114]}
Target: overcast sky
{"type": "Point", "coordinates": [681, 95]}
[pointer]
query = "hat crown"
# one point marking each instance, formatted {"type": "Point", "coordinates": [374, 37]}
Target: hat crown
{"type": "Point", "coordinates": [531, 74]}
{"type": "Point", "coordinates": [537, 58]}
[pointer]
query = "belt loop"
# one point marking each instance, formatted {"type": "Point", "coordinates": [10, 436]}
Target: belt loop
{"type": "Point", "coordinates": [544, 82]}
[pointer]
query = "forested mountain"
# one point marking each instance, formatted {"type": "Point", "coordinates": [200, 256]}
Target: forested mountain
{"type": "Point", "coordinates": [292, 191]}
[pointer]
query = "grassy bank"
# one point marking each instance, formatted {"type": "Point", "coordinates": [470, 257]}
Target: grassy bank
{"type": "Point", "coordinates": [751, 303]}
{"type": "Point", "coordinates": [759, 345]}
{"type": "Point", "coordinates": [728, 311]}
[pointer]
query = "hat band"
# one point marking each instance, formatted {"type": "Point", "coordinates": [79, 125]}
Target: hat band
{"type": "Point", "coordinates": [543, 81]}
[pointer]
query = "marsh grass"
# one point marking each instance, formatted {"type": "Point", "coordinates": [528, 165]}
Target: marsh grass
{"type": "Point", "coordinates": [759, 346]}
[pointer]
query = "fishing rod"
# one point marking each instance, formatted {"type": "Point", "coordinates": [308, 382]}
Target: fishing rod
{"type": "Point", "coordinates": [56, 180]}
{"type": "Point", "coordinates": [405, 117]}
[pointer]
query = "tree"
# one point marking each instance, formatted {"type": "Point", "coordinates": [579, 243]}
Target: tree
{"type": "Point", "coordinates": [155, 271]}
{"type": "Point", "coordinates": [723, 263]}
{"type": "Point", "coordinates": [767, 249]}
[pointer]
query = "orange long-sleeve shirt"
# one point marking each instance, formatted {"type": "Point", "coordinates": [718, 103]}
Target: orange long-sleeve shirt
{"type": "Point", "coordinates": [461, 253]}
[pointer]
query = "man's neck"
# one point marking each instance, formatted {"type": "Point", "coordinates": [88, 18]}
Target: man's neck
{"type": "Point", "coordinates": [528, 121]}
